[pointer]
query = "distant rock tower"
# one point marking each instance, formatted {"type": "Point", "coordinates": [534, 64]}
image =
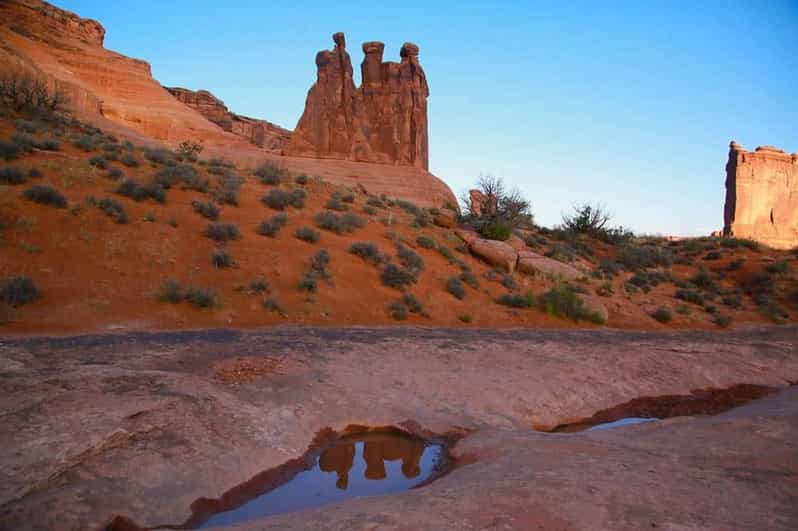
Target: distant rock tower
{"type": "Point", "coordinates": [383, 121]}
{"type": "Point", "coordinates": [762, 196]}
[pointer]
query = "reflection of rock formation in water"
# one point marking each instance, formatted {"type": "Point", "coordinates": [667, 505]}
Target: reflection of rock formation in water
{"type": "Point", "coordinates": [338, 459]}
{"type": "Point", "coordinates": [376, 452]}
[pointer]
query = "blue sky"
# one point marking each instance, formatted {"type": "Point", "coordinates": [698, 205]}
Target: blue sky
{"type": "Point", "coordinates": [627, 103]}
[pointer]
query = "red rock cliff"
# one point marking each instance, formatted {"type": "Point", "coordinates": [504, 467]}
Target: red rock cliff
{"type": "Point", "coordinates": [384, 121]}
{"type": "Point", "coordinates": [762, 196]}
{"type": "Point", "coordinates": [258, 132]}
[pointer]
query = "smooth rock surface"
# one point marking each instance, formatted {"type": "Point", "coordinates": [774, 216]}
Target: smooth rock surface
{"type": "Point", "coordinates": [534, 263]}
{"type": "Point", "coordinates": [495, 253]}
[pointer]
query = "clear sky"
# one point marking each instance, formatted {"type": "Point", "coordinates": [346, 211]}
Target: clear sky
{"type": "Point", "coordinates": [631, 104]}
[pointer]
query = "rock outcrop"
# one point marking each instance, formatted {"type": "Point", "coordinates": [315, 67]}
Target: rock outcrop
{"type": "Point", "coordinates": [384, 121]}
{"type": "Point", "coordinates": [762, 196]}
{"type": "Point", "coordinates": [260, 133]}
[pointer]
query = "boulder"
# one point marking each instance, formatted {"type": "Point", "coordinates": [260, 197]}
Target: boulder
{"type": "Point", "coordinates": [445, 218]}
{"type": "Point", "coordinates": [595, 305]}
{"type": "Point", "coordinates": [495, 253]}
{"type": "Point", "coordinates": [468, 236]}
{"type": "Point", "coordinates": [533, 263]}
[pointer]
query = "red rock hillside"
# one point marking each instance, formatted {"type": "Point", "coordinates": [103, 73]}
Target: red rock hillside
{"type": "Point", "coordinates": [119, 94]}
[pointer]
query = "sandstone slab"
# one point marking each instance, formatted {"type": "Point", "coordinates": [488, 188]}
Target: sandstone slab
{"type": "Point", "coordinates": [495, 253]}
{"type": "Point", "coordinates": [531, 262]}
{"type": "Point", "coordinates": [445, 218]}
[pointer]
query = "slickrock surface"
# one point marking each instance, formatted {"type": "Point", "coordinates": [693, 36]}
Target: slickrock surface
{"type": "Point", "coordinates": [762, 196]}
{"type": "Point", "coordinates": [385, 120]}
{"type": "Point", "coordinates": [144, 424]}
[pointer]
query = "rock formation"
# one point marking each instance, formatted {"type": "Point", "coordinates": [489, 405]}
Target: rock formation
{"type": "Point", "coordinates": [384, 121]}
{"type": "Point", "coordinates": [261, 133]}
{"type": "Point", "coordinates": [762, 196]}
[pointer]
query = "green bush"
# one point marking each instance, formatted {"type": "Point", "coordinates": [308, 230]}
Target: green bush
{"type": "Point", "coordinates": [733, 243]}
{"type": "Point", "coordinates": [27, 126]}
{"type": "Point", "coordinates": [367, 251]}
{"type": "Point", "coordinates": [271, 227]}
{"type": "Point", "coordinates": [736, 264]}
{"type": "Point", "coordinates": [398, 310]}
{"type": "Point", "coordinates": [778, 268]}
{"type": "Point", "coordinates": [172, 291]}
{"type": "Point", "coordinates": [222, 232]}
{"type": "Point", "coordinates": [425, 242]}
{"type": "Point", "coordinates": [18, 291]}
{"type": "Point", "coordinates": [633, 257]}
{"type": "Point", "coordinates": [563, 301]}
{"type": "Point", "coordinates": [413, 304]}
{"type": "Point", "coordinates": [98, 161]}
{"type": "Point", "coordinates": [226, 190]}
{"type": "Point", "coordinates": [455, 286]}
{"type": "Point", "coordinates": [161, 156]}
{"type": "Point", "coordinates": [183, 174]}
{"type": "Point", "coordinates": [139, 192]}
{"type": "Point", "coordinates": [270, 173]}
{"type": "Point", "coordinates": [129, 160]}
{"type": "Point", "coordinates": [375, 202]}
{"type": "Point", "coordinates": [12, 176]}
{"type": "Point", "coordinates": [712, 255]}
{"type": "Point", "coordinates": [281, 199]}
{"type": "Point", "coordinates": [317, 270]}
{"type": "Point", "coordinates": [662, 314]}
{"type": "Point", "coordinates": [87, 142]}
{"type": "Point", "coordinates": [113, 210]}
{"type": "Point", "coordinates": [369, 211]}
{"type": "Point", "coordinates": [409, 259]}
{"type": "Point", "coordinates": [46, 195]}
{"type": "Point", "coordinates": [732, 301]}
{"type": "Point", "coordinates": [517, 300]}
{"type": "Point", "coordinates": [306, 234]}
{"type": "Point", "coordinates": [206, 209]}
{"type": "Point", "coordinates": [115, 174]}
{"type": "Point", "coordinates": [343, 224]}
{"type": "Point", "coordinates": [689, 295]}
{"type": "Point", "coordinates": [722, 321]}
{"type": "Point", "coordinates": [470, 278]}
{"type": "Point", "coordinates": [395, 276]}
{"type": "Point", "coordinates": [220, 258]}
{"type": "Point", "coordinates": [49, 145]}
{"type": "Point", "coordinates": [301, 180]}
{"type": "Point", "coordinates": [9, 150]}
{"type": "Point", "coordinates": [273, 305]}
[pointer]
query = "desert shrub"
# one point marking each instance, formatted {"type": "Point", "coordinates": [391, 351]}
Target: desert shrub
{"type": "Point", "coordinates": [115, 174]}
{"type": "Point", "coordinates": [226, 190]}
{"type": "Point", "coordinates": [271, 227]}
{"type": "Point", "coordinates": [139, 192]}
{"type": "Point", "coordinates": [113, 210]}
{"type": "Point", "coordinates": [161, 156]}
{"type": "Point", "coordinates": [12, 176]}
{"type": "Point", "coordinates": [517, 300]}
{"type": "Point", "coordinates": [710, 308]}
{"type": "Point", "coordinates": [733, 243]}
{"type": "Point", "coordinates": [257, 286]}
{"type": "Point", "coordinates": [409, 259]}
{"type": "Point", "coordinates": [335, 203]}
{"type": "Point", "coordinates": [587, 219]}
{"type": "Point", "coordinates": [9, 150]}
{"type": "Point", "coordinates": [712, 255]}
{"type": "Point", "coordinates": [761, 282]}
{"type": "Point", "coordinates": [398, 310]}
{"type": "Point", "coordinates": [767, 305]}
{"type": "Point", "coordinates": [222, 232]}
{"type": "Point", "coordinates": [704, 280]}
{"type": "Point", "coordinates": [563, 301]}
{"type": "Point", "coordinates": [367, 251]}
{"type": "Point", "coordinates": [301, 180]}
{"type": "Point", "coordinates": [306, 234]}
{"type": "Point", "coordinates": [281, 199]}
{"type": "Point", "coordinates": [455, 286]}
{"type": "Point", "coordinates": [190, 150]}
{"type": "Point", "coordinates": [87, 142]}
{"type": "Point", "coordinates": [220, 258]}
{"type": "Point", "coordinates": [413, 304]}
{"type": "Point", "coordinates": [49, 145]}
{"type": "Point", "coordinates": [24, 142]}
{"type": "Point", "coordinates": [375, 202]}
{"type": "Point", "coordinates": [18, 291]}
{"type": "Point", "coordinates": [509, 282]}
{"type": "Point", "coordinates": [270, 173]}
{"type": "Point", "coordinates": [777, 268]}
{"type": "Point", "coordinates": [317, 270]}
{"type": "Point", "coordinates": [722, 321]}
{"type": "Point", "coordinates": [499, 212]}
{"type": "Point", "coordinates": [425, 242]}
{"type": "Point", "coordinates": [662, 314]}
{"type": "Point", "coordinates": [689, 295]}
{"type": "Point", "coordinates": [732, 301]}
{"type": "Point", "coordinates": [395, 276]}
{"type": "Point", "coordinates": [183, 174]}
{"type": "Point", "coordinates": [470, 278]}
{"type": "Point", "coordinates": [46, 195]}
{"type": "Point", "coordinates": [28, 126]}
{"type": "Point", "coordinates": [99, 161]}
{"type": "Point", "coordinates": [561, 253]}
{"type": "Point", "coordinates": [633, 257]}
{"type": "Point", "coordinates": [369, 211]}
{"type": "Point", "coordinates": [736, 264]}
{"type": "Point", "coordinates": [34, 173]}
{"type": "Point", "coordinates": [25, 92]}
{"type": "Point", "coordinates": [607, 269]}
{"type": "Point", "coordinates": [206, 209]}
{"type": "Point", "coordinates": [273, 305]}
{"type": "Point", "coordinates": [129, 160]}
{"type": "Point", "coordinates": [343, 224]}
{"type": "Point", "coordinates": [202, 297]}
{"type": "Point", "coordinates": [150, 217]}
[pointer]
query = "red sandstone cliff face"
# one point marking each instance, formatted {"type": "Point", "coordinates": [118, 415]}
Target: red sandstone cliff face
{"type": "Point", "coordinates": [385, 120]}
{"type": "Point", "coordinates": [762, 196]}
{"type": "Point", "coordinates": [261, 133]}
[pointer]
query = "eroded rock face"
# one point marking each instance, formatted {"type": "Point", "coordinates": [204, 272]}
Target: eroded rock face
{"type": "Point", "coordinates": [258, 132]}
{"type": "Point", "coordinates": [384, 121]}
{"type": "Point", "coordinates": [534, 263]}
{"type": "Point", "coordinates": [495, 253]}
{"type": "Point", "coordinates": [762, 196]}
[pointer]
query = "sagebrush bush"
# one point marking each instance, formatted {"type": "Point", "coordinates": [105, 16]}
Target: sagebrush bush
{"type": "Point", "coordinates": [343, 224]}
{"type": "Point", "coordinates": [778, 268]}
{"type": "Point", "coordinates": [369, 211]}
{"type": "Point", "coordinates": [273, 305]}
{"type": "Point", "coordinates": [113, 210]}
{"type": "Point", "coordinates": [496, 231]}
{"type": "Point", "coordinates": [49, 145]}
{"type": "Point", "coordinates": [517, 300]}
{"type": "Point", "coordinates": [140, 192]}
{"type": "Point", "coordinates": [281, 199]}
{"type": "Point", "coordinates": [722, 321]}
{"type": "Point", "coordinates": [99, 161]}
{"type": "Point", "coordinates": [222, 232]}
{"type": "Point", "coordinates": [221, 259]}
{"type": "Point", "coordinates": [633, 257]}
{"type": "Point", "coordinates": [736, 264]}
{"type": "Point", "coordinates": [46, 195]}
{"type": "Point", "coordinates": [301, 180]}
{"type": "Point", "coordinates": [172, 291]}
{"type": "Point", "coordinates": [18, 291]}
{"type": "Point", "coordinates": [704, 280]}
{"type": "Point", "coordinates": [183, 174]}
{"type": "Point", "coordinates": [409, 259]}
{"type": "Point", "coordinates": [271, 227]}
{"type": "Point", "coordinates": [470, 278]}
{"type": "Point", "coordinates": [367, 251]}
{"type": "Point", "coordinates": [662, 314]}
{"type": "Point", "coordinates": [87, 142]}
{"type": "Point", "coordinates": [160, 156]}
{"type": "Point", "coordinates": [206, 209]}
{"type": "Point", "coordinates": [270, 173]}
{"type": "Point", "coordinates": [28, 126]}
{"type": "Point", "coordinates": [395, 276]}
{"type": "Point", "coordinates": [375, 202]}
{"type": "Point", "coordinates": [563, 301]}
{"type": "Point", "coordinates": [227, 187]}
{"type": "Point", "coordinates": [34, 173]}
{"type": "Point", "coordinates": [413, 304]}
{"type": "Point", "coordinates": [9, 150]}
{"type": "Point", "coordinates": [425, 242]}
{"type": "Point", "coordinates": [455, 286]}
{"type": "Point", "coordinates": [398, 310]}
{"type": "Point", "coordinates": [115, 174]}
{"type": "Point", "coordinates": [306, 234]}
{"type": "Point", "coordinates": [129, 160]}
{"type": "Point", "coordinates": [317, 270]}
{"type": "Point", "coordinates": [12, 176]}
{"type": "Point", "coordinates": [733, 243]}
{"type": "Point", "coordinates": [691, 296]}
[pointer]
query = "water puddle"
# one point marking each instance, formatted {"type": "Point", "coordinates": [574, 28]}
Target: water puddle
{"type": "Point", "coordinates": [335, 468]}
{"type": "Point", "coordinates": [648, 409]}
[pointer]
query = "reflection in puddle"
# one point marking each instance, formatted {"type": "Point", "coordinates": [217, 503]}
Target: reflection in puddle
{"type": "Point", "coordinates": [355, 465]}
